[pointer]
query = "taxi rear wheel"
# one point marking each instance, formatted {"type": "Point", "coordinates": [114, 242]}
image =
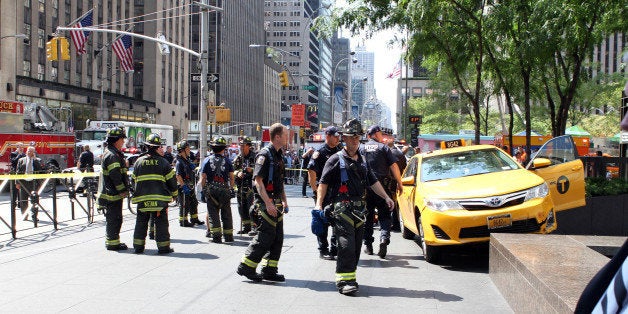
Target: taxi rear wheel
{"type": "Point", "coordinates": [431, 254]}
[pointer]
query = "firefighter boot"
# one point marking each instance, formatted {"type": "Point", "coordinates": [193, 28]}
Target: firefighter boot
{"type": "Point", "coordinates": [118, 247]}
{"type": "Point", "coordinates": [249, 273]}
{"type": "Point", "coordinates": [186, 223]}
{"type": "Point", "coordinates": [139, 249]}
{"type": "Point", "coordinates": [275, 277]}
{"type": "Point", "coordinates": [217, 238]}
{"type": "Point", "coordinates": [165, 250]}
{"type": "Point", "coordinates": [194, 221]}
{"type": "Point", "coordinates": [228, 238]}
{"type": "Point", "coordinates": [347, 287]}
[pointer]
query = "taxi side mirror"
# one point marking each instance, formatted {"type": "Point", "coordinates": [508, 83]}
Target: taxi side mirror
{"type": "Point", "coordinates": [407, 181]}
{"type": "Point", "coordinates": [541, 163]}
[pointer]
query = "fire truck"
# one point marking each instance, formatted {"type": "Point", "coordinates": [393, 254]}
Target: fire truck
{"type": "Point", "coordinates": [34, 124]}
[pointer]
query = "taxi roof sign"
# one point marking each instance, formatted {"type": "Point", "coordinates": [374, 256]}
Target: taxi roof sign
{"type": "Point", "coordinates": [452, 143]}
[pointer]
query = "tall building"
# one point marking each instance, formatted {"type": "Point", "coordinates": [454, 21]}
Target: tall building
{"type": "Point", "coordinates": [362, 80]}
{"type": "Point", "coordinates": [305, 56]}
{"type": "Point", "coordinates": [341, 74]}
{"type": "Point", "coordinates": [92, 85]}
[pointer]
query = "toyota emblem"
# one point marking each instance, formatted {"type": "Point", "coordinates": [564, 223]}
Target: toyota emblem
{"type": "Point", "coordinates": [494, 202]}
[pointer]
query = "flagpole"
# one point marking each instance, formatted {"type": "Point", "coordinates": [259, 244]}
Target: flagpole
{"type": "Point", "coordinates": [80, 17]}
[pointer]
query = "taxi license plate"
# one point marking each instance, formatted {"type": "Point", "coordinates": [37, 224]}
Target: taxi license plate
{"type": "Point", "coordinates": [501, 221]}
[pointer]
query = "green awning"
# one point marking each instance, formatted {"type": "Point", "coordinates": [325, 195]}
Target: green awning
{"type": "Point", "coordinates": [577, 130]}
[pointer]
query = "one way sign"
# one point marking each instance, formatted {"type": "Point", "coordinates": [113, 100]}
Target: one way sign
{"type": "Point", "coordinates": [211, 77]}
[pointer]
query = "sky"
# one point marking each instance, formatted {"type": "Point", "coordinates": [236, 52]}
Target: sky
{"type": "Point", "coordinates": [385, 60]}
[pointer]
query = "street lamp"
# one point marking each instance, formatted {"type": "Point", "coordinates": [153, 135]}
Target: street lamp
{"type": "Point", "coordinates": [348, 109]}
{"type": "Point", "coordinates": [331, 84]}
{"type": "Point", "coordinates": [101, 114]}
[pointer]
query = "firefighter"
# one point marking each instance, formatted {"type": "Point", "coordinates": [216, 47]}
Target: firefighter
{"type": "Point", "coordinates": [271, 204]}
{"type": "Point", "coordinates": [346, 176]}
{"type": "Point", "coordinates": [184, 169]}
{"type": "Point", "coordinates": [243, 173]}
{"type": "Point", "coordinates": [155, 187]}
{"type": "Point", "coordinates": [218, 182]}
{"type": "Point", "coordinates": [315, 169]}
{"type": "Point", "coordinates": [113, 187]}
{"type": "Point", "coordinates": [384, 164]}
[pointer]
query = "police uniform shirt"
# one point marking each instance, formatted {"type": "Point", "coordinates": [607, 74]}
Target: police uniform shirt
{"type": "Point", "coordinates": [356, 184]}
{"type": "Point", "coordinates": [379, 157]}
{"type": "Point", "coordinates": [185, 169]}
{"type": "Point", "coordinates": [320, 157]}
{"type": "Point", "coordinates": [226, 167]}
{"type": "Point", "coordinates": [262, 163]}
{"type": "Point", "coordinates": [240, 164]}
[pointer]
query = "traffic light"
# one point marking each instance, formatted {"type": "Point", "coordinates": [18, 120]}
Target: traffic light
{"type": "Point", "coordinates": [51, 50]}
{"type": "Point", "coordinates": [283, 79]}
{"type": "Point", "coordinates": [65, 48]}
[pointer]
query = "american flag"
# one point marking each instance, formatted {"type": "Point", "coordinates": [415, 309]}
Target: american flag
{"type": "Point", "coordinates": [123, 47]}
{"type": "Point", "coordinates": [396, 72]}
{"type": "Point", "coordinates": [79, 38]}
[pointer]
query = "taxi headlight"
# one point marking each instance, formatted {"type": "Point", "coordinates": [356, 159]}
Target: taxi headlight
{"type": "Point", "coordinates": [442, 205]}
{"type": "Point", "coordinates": [539, 191]}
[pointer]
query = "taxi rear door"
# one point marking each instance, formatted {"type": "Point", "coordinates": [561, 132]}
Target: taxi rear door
{"type": "Point", "coordinates": [406, 198]}
{"type": "Point", "coordinates": [565, 175]}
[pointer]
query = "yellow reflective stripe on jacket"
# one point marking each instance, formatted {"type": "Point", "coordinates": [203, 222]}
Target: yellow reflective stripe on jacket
{"type": "Point", "coordinates": [151, 197]}
{"type": "Point", "coordinates": [113, 165]}
{"type": "Point", "coordinates": [347, 218]}
{"type": "Point", "coordinates": [345, 276]}
{"type": "Point", "coordinates": [112, 242]}
{"type": "Point", "coordinates": [108, 197]}
{"type": "Point", "coordinates": [228, 231]}
{"type": "Point", "coordinates": [170, 174]}
{"type": "Point", "coordinates": [150, 209]}
{"type": "Point", "coordinates": [139, 242]}
{"type": "Point", "coordinates": [120, 187]}
{"type": "Point", "coordinates": [215, 230]}
{"type": "Point", "coordinates": [249, 262]}
{"type": "Point", "coordinates": [150, 177]}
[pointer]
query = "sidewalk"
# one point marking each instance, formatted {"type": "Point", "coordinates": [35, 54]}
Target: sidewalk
{"type": "Point", "coordinates": [69, 270]}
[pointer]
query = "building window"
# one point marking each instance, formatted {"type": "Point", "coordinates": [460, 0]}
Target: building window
{"type": "Point", "coordinates": [41, 71]}
{"type": "Point", "coordinates": [27, 3]}
{"type": "Point", "coordinates": [26, 68]}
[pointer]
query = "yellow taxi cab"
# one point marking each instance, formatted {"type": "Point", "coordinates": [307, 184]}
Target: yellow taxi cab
{"type": "Point", "coordinates": [461, 194]}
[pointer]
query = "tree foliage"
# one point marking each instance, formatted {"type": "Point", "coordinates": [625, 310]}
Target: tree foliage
{"type": "Point", "coordinates": [532, 52]}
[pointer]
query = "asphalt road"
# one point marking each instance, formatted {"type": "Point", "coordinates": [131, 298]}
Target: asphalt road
{"type": "Point", "coordinates": [69, 270]}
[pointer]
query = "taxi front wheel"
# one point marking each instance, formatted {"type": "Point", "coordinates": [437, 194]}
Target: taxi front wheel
{"type": "Point", "coordinates": [431, 254]}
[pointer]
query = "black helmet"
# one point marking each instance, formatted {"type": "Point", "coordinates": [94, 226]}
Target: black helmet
{"type": "Point", "coordinates": [245, 140]}
{"type": "Point", "coordinates": [352, 127]}
{"type": "Point", "coordinates": [218, 141]}
{"type": "Point", "coordinates": [153, 140]}
{"type": "Point", "coordinates": [181, 146]}
{"type": "Point", "coordinates": [116, 132]}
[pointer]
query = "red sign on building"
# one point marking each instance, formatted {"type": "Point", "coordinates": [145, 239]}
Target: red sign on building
{"type": "Point", "coordinates": [11, 106]}
{"type": "Point", "coordinates": [298, 115]}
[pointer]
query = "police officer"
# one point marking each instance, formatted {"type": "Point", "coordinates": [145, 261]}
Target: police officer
{"type": "Point", "coordinates": [384, 164]}
{"type": "Point", "coordinates": [184, 169]}
{"type": "Point", "coordinates": [86, 160]}
{"type": "Point", "coordinates": [243, 172]}
{"type": "Point", "coordinates": [271, 203]}
{"type": "Point", "coordinates": [113, 187]}
{"type": "Point", "coordinates": [341, 192]}
{"type": "Point", "coordinates": [218, 182]}
{"type": "Point", "coordinates": [315, 169]}
{"type": "Point", "coordinates": [155, 186]}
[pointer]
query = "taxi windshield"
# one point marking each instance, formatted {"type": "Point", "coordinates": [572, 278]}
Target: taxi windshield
{"type": "Point", "coordinates": [463, 164]}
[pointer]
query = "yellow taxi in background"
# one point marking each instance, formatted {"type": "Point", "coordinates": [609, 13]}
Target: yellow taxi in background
{"type": "Point", "coordinates": [459, 195]}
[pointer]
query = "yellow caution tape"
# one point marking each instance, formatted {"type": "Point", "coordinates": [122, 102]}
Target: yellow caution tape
{"type": "Point", "coordinates": [48, 175]}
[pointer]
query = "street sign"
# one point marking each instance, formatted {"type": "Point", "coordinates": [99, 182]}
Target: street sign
{"type": "Point", "coordinates": [309, 87]}
{"type": "Point", "coordinates": [211, 77]}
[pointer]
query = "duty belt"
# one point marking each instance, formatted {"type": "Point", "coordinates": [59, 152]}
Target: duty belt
{"type": "Point", "coordinates": [356, 208]}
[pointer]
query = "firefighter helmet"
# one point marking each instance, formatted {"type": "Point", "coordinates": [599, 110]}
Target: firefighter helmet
{"type": "Point", "coordinates": [116, 132]}
{"type": "Point", "coordinates": [153, 140]}
{"type": "Point", "coordinates": [218, 141]}
{"type": "Point", "coordinates": [181, 146]}
{"type": "Point", "coordinates": [352, 127]}
{"type": "Point", "coordinates": [246, 141]}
